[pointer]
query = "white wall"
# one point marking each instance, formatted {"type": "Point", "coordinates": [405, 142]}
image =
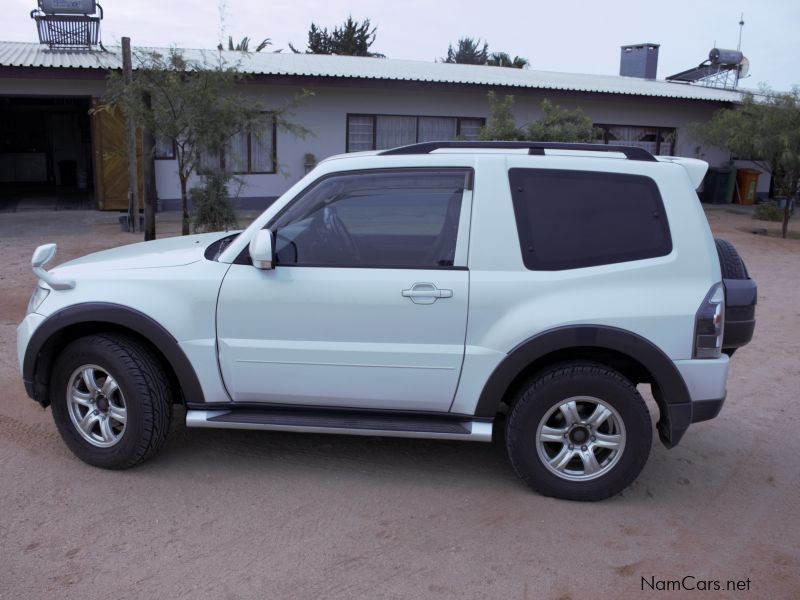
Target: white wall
{"type": "Point", "coordinates": [325, 114]}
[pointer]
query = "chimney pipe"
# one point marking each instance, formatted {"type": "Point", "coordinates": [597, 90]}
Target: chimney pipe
{"type": "Point", "coordinates": [639, 60]}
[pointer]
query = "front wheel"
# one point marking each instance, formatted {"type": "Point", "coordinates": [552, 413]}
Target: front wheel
{"type": "Point", "coordinates": [111, 400]}
{"type": "Point", "coordinates": [579, 432]}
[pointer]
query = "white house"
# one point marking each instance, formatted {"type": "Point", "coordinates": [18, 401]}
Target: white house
{"type": "Point", "coordinates": [50, 145]}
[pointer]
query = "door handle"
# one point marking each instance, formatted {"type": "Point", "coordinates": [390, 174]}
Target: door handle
{"type": "Point", "coordinates": [425, 293]}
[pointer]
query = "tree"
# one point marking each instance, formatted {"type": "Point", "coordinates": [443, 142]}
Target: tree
{"type": "Point", "coordinates": [194, 105]}
{"type": "Point", "coordinates": [244, 45]}
{"type": "Point", "coordinates": [555, 125]}
{"type": "Point", "coordinates": [765, 129]}
{"type": "Point", "coordinates": [503, 59]}
{"type": "Point", "coordinates": [501, 124]}
{"type": "Point", "coordinates": [352, 38]}
{"type": "Point", "coordinates": [468, 51]}
{"type": "Point", "coordinates": [561, 125]}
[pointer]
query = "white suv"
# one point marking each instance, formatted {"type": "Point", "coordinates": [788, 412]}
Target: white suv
{"type": "Point", "coordinates": [449, 290]}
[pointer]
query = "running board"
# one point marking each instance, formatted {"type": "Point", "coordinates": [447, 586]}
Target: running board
{"type": "Point", "coordinates": [348, 423]}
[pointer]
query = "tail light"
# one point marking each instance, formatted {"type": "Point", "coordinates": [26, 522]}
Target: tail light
{"type": "Point", "coordinates": [708, 325]}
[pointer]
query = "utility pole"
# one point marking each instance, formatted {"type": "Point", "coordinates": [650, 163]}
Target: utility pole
{"type": "Point", "coordinates": [133, 183]}
{"type": "Point", "coordinates": [149, 176]}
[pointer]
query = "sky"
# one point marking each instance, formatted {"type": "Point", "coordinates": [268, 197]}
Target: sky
{"type": "Point", "coordinates": [562, 35]}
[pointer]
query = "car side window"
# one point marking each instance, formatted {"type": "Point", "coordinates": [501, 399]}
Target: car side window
{"type": "Point", "coordinates": [574, 219]}
{"type": "Point", "coordinates": [390, 218]}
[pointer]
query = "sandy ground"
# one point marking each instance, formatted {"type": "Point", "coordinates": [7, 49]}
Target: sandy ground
{"type": "Point", "coordinates": [271, 515]}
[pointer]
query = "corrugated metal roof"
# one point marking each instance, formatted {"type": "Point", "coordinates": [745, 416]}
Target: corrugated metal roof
{"type": "Point", "coordinates": [23, 54]}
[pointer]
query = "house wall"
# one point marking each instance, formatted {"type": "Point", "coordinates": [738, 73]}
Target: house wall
{"type": "Point", "coordinates": [325, 114]}
{"type": "Point", "coordinates": [47, 86]}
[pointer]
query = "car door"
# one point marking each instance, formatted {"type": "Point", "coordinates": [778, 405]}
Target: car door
{"type": "Point", "coordinates": [367, 304]}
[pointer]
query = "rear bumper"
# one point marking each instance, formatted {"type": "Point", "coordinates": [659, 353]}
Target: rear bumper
{"type": "Point", "coordinates": [705, 378]}
{"type": "Point", "coordinates": [703, 410]}
{"type": "Point", "coordinates": [706, 383]}
{"type": "Point", "coordinates": [740, 312]}
{"type": "Point", "coordinates": [684, 414]}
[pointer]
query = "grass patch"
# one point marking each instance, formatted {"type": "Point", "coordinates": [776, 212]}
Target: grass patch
{"type": "Point", "coordinates": [768, 211]}
{"type": "Point", "coordinates": [773, 232]}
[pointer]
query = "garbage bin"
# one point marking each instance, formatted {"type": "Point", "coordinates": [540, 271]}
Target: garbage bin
{"type": "Point", "coordinates": [68, 173]}
{"type": "Point", "coordinates": [746, 183]}
{"type": "Point", "coordinates": [718, 185]}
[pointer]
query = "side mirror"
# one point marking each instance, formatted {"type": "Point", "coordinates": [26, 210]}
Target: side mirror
{"type": "Point", "coordinates": [43, 255]}
{"type": "Point", "coordinates": [261, 249]}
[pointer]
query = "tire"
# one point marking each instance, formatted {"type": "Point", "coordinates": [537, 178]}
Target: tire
{"type": "Point", "coordinates": [117, 388]}
{"type": "Point", "coordinates": [561, 467]}
{"type": "Point", "coordinates": [730, 263]}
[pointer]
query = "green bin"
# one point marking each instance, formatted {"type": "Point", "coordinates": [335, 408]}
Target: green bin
{"type": "Point", "coordinates": [719, 184]}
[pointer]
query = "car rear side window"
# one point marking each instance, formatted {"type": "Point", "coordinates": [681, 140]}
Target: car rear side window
{"type": "Point", "coordinates": [573, 219]}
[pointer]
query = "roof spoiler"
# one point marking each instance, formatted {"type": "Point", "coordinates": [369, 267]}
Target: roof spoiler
{"type": "Point", "coordinates": [695, 168]}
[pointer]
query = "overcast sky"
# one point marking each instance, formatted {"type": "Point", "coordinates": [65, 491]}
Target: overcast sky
{"type": "Point", "coordinates": [562, 35]}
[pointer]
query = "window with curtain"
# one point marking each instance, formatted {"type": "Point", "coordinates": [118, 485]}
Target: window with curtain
{"type": "Point", "coordinates": [210, 160]}
{"type": "Point", "coordinates": [470, 129]}
{"type": "Point", "coordinates": [236, 152]}
{"type": "Point", "coordinates": [164, 148]}
{"type": "Point", "coordinates": [395, 131]}
{"type": "Point", "coordinates": [432, 129]}
{"type": "Point", "coordinates": [379, 132]}
{"type": "Point", "coordinates": [247, 152]}
{"type": "Point", "coordinates": [262, 146]}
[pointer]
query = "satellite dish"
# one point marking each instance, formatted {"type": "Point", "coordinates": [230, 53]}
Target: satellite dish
{"type": "Point", "coordinates": [744, 67]}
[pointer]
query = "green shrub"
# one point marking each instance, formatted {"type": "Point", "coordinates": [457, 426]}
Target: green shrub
{"type": "Point", "coordinates": [211, 205]}
{"type": "Point", "coordinates": [562, 125]}
{"type": "Point", "coordinates": [768, 211]}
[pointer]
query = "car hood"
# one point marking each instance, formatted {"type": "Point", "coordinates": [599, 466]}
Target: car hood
{"type": "Point", "coordinates": [167, 252]}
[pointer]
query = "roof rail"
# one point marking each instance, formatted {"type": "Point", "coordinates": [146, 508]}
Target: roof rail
{"type": "Point", "coordinates": [630, 152]}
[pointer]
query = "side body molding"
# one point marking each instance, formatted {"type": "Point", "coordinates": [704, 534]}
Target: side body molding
{"type": "Point", "coordinates": [96, 315]}
{"type": "Point", "coordinates": [669, 388]}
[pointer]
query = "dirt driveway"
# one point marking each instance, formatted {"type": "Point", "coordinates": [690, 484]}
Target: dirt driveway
{"type": "Point", "coordinates": [269, 515]}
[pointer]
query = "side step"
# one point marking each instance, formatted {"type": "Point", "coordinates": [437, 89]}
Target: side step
{"type": "Point", "coordinates": [409, 425]}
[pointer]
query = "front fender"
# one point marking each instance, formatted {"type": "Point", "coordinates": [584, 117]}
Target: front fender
{"type": "Point", "coordinates": [80, 319]}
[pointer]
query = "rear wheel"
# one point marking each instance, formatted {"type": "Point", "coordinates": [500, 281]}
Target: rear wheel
{"type": "Point", "coordinates": [579, 432]}
{"type": "Point", "coordinates": [111, 400]}
{"type": "Point", "coordinates": [730, 263]}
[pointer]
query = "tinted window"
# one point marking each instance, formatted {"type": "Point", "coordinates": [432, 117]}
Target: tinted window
{"type": "Point", "coordinates": [405, 218]}
{"type": "Point", "coordinates": [572, 219]}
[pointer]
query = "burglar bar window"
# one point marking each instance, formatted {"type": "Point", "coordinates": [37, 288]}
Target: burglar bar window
{"type": "Point", "coordinates": [656, 140]}
{"type": "Point", "coordinates": [379, 132]}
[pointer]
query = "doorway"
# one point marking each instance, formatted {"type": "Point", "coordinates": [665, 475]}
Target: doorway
{"type": "Point", "coordinates": [45, 154]}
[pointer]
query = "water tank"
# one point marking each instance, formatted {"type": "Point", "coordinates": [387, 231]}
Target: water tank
{"type": "Point", "coordinates": [68, 7]}
{"type": "Point", "coordinates": [719, 56]}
